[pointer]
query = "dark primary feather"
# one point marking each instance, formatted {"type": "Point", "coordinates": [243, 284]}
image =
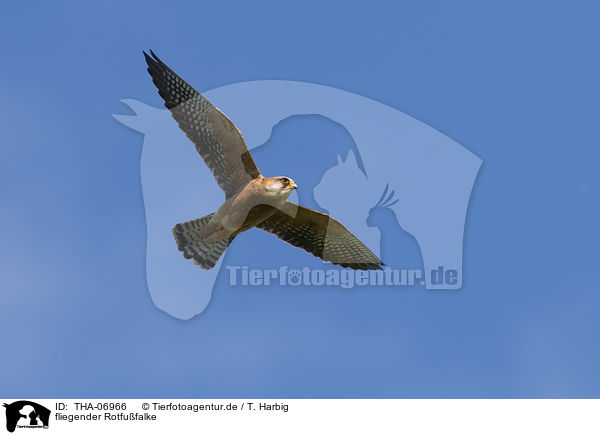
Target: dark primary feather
{"type": "Point", "coordinates": [322, 236]}
{"type": "Point", "coordinates": [216, 138]}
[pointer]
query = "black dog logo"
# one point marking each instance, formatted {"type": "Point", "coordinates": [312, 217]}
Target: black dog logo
{"type": "Point", "coordinates": [31, 411]}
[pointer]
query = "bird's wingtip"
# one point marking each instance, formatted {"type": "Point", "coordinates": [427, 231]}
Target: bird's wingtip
{"type": "Point", "coordinates": [151, 58]}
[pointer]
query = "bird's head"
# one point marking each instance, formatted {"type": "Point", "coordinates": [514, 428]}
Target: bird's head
{"type": "Point", "coordinates": [280, 186]}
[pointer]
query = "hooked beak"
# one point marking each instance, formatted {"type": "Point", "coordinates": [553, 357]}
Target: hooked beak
{"type": "Point", "coordinates": [293, 185]}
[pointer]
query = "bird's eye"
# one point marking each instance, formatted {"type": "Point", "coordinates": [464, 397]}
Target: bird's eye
{"type": "Point", "coordinates": [284, 180]}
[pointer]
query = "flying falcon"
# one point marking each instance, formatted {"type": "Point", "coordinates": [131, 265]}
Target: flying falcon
{"type": "Point", "coordinates": [251, 200]}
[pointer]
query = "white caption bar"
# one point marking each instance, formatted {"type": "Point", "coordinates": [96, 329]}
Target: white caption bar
{"type": "Point", "coordinates": [268, 416]}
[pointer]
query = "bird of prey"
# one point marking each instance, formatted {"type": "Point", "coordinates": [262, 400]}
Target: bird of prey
{"type": "Point", "coordinates": [251, 200]}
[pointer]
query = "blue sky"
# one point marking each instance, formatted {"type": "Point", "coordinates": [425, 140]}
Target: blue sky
{"type": "Point", "coordinates": [516, 83]}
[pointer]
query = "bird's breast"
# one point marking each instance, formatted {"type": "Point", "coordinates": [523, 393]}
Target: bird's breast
{"type": "Point", "coordinates": [245, 211]}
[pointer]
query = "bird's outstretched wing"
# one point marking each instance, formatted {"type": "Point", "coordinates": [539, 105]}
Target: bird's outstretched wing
{"type": "Point", "coordinates": [216, 138]}
{"type": "Point", "coordinates": [320, 235]}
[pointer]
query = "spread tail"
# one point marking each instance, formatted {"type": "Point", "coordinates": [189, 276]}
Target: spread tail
{"type": "Point", "coordinates": [192, 239]}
